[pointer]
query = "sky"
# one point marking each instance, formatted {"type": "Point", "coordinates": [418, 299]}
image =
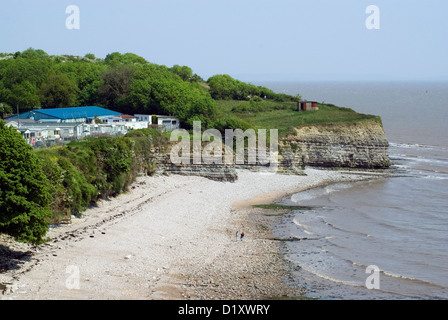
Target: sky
{"type": "Point", "coordinates": [251, 40]}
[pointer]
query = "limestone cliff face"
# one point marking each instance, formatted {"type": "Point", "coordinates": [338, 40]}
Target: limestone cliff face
{"type": "Point", "coordinates": [217, 172]}
{"type": "Point", "coordinates": [354, 145]}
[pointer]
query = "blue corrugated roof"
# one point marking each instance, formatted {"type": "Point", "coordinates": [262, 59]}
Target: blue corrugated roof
{"type": "Point", "coordinates": [77, 112]}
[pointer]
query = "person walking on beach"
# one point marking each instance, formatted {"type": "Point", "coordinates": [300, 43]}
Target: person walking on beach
{"type": "Point", "coordinates": [242, 236]}
{"type": "Point", "coordinates": [236, 236]}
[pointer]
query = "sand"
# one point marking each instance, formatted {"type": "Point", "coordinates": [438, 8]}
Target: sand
{"type": "Point", "coordinates": [169, 237]}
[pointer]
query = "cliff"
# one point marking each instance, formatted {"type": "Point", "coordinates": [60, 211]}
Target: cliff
{"type": "Point", "coordinates": [337, 145]}
{"type": "Point", "coordinates": [217, 172]}
{"type": "Point", "coordinates": [354, 145]}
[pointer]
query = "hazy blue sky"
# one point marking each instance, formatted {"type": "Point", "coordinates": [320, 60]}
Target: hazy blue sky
{"type": "Point", "coordinates": [252, 40]}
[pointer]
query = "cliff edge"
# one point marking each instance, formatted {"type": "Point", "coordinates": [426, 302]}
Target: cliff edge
{"type": "Point", "coordinates": [360, 145]}
{"type": "Point", "coordinates": [353, 145]}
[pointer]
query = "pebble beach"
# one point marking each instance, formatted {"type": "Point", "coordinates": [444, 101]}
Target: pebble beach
{"type": "Point", "coordinates": [168, 238]}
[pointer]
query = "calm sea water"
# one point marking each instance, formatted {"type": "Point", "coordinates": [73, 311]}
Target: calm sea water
{"type": "Point", "coordinates": [399, 224]}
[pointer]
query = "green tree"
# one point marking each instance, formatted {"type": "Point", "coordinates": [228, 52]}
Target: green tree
{"type": "Point", "coordinates": [30, 67]}
{"type": "Point", "coordinates": [224, 87]}
{"type": "Point", "coordinates": [21, 78]}
{"type": "Point", "coordinates": [31, 53]}
{"type": "Point", "coordinates": [25, 95]}
{"type": "Point", "coordinates": [203, 109]}
{"type": "Point", "coordinates": [90, 56]}
{"type": "Point", "coordinates": [88, 95]}
{"type": "Point", "coordinates": [139, 97]}
{"type": "Point", "coordinates": [58, 91]}
{"type": "Point", "coordinates": [221, 87]}
{"type": "Point", "coordinates": [182, 71]}
{"type": "Point", "coordinates": [86, 75]}
{"type": "Point", "coordinates": [5, 108]}
{"type": "Point", "coordinates": [115, 86]}
{"type": "Point", "coordinates": [24, 189]}
{"type": "Point", "coordinates": [115, 59]}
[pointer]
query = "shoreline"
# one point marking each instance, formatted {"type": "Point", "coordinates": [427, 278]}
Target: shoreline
{"type": "Point", "coordinates": [169, 237]}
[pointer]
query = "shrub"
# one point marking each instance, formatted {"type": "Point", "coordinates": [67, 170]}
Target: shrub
{"type": "Point", "coordinates": [231, 123]}
{"type": "Point", "coordinates": [82, 172]}
{"type": "Point", "coordinates": [24, 189]}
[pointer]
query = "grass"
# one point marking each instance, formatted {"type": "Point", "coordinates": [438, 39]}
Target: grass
{"type": "Point", "coordinates": [269, 114]}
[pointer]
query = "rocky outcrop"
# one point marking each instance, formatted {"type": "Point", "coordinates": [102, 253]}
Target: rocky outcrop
{"type": "Point", "coordinates": [353, 145]}
{"type": "Point", "coordinates": [287, 163]}
{"type": "Point", "coordinates": [226, 172]}
{"type": "Point", "coordinates": [218, 172]}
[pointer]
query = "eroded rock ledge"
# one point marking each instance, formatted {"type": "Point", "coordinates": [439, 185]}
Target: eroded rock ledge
{"type": "Point", "coordinates": [340, 145]}
{"type": "Point", "coordinates": [352, 145]}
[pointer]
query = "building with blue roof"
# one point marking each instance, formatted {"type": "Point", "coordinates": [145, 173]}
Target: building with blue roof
{"type": "Point", "coordinates": [64, 115]}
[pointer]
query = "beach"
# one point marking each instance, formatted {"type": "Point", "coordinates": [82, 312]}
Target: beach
{"type": "Point", "coordinates": [169, 237]}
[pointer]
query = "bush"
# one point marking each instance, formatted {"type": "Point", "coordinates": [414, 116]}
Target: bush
{"type": "Point", "coordinates": [73, 188]}
{"type": "Point", "coordinates": [82, 172]}
{"type": "Point", "coordinates": [25, 192]}
{"type": "Point", "coordinates": [231, 123]}
{"type": "Point", "coordinates": [5, 108]}
{"type": "Point", "coordinates": [256, 105]}
{"type": "Point", "coordinates": [224, 87]}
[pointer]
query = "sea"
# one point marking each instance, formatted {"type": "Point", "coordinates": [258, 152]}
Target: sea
{"type": "Point", "coordinates": [385, 238]}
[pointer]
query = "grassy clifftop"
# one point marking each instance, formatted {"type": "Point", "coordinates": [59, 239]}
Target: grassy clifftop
{"type": "Point", "coordinates": [270, 114]}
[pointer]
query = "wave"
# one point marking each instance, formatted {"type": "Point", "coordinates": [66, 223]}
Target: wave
{"type": "Point", "coordinates": [327, 277]}
{"type": "Point", "coordinates": [427, 161]}
{"type": "Point", "coordinates": [345, 230]}
{"type": "Point", "coordinates": [303, 226]}
{"type": "Point", "coordinates": [422, 167]}
{"type": "Point", "coordinates": [317, 192]}
{"type": "Point", "coordinates": [391, 282]}
{"type": "Point", "coordinates": [333, 252]}
{"type": "Point", "coordinates": [410, 146]}
{"type": "Point", "coordinates": [415, 146]}
{"type": "Point", "coordinates": [383, 273]}
{"type": "Point", "coordinates": [435, 177]}
{"type": "Point", "coordinates": [321, 220]}
{"type": "Point", "coordinates": [394, 289]}
{"type": "Point", "coordinates": [414, 280]}
{"type": "Point", "coordinates": [399, 276]}
{"type": "Point", "coordinates": [418, 159]}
